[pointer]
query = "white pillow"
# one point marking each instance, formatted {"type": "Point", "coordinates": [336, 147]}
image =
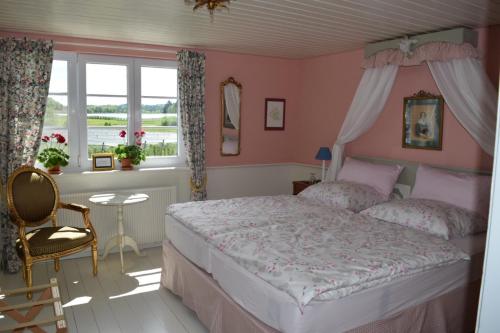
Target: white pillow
{"type": "Point", "coordinates": [379, 176]}
{"type": "Point", "coordinates": [341, 194]}
{"type": "Point", "coordinates": [471, 192]}
{"type": "Point", "coordinates": [431, 216]}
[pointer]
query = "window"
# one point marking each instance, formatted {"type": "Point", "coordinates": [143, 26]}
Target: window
{"type": "Point", "coordinates": [159, 110]}
{"type": "Point", "coordinates": [61, 100]}
{"type": "Point", "coordinates": [114, 94]}
{"type": "Point", "coordinates": [106, 106]}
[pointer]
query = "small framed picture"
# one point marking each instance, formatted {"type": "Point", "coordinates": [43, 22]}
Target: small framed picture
{"type": "Point", "coordinates": [423, 121]}
{"type": "Point", "coordinates": [275, 114]}
{"type": "Point", "coordinates": [103, 161]}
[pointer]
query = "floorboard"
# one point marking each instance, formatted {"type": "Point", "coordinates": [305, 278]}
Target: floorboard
{"type": "Point", "coordinates": [112, 301]}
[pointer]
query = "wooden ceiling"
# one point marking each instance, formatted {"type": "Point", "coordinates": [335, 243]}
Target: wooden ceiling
{"type": "Point", "coordinates": [282, 28]}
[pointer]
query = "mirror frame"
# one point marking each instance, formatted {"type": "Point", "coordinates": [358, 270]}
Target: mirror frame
{"type": "Point", "coordinates": [223, 104]}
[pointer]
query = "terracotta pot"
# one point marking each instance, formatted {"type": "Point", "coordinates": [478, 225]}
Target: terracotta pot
{"type": "Point", "coordinates": [55, 170]}
{"type": "Point", "coordinates": [127, 164]}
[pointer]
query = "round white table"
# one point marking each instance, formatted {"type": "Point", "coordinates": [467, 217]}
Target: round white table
{"type": "Point", "coordinates": [119, 200]}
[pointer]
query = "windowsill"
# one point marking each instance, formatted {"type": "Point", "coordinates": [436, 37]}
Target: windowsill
{"type": "Point", "coordinates": [118, 171]}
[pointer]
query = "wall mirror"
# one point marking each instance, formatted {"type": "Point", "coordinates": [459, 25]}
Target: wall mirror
{"type": "Point", "coordinates": [230, 95]}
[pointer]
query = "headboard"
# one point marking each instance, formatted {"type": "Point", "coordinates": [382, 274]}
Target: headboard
{"type": "Point", "coordinates": [407, 177]}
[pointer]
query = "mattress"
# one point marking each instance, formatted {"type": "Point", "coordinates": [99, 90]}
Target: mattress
{"type": "Point", "coordinates": [279, 310]}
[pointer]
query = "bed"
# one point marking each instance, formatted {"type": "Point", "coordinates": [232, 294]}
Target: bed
{"type": "Point", "coordinates": [209, 262]}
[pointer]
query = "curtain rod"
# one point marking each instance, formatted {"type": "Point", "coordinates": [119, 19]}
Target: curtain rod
{"type": "Point", "coordinates": [118, 47]}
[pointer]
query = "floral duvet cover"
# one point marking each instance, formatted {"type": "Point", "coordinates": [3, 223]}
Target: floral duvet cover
{"type": "Point", "coordinates": [311, 251]}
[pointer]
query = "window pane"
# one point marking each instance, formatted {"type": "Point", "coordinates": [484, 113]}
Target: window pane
{"type": "Point", "coordinates": [106, 79]}
{"type": "Point", "coordinates": [56, 116]}
{"type": "Point", "coordinates": [59, 77]}
{"type": "Point", "coordinates": [160, 82]}
{"type": "Point", "coordinates": [56, 110]}
{"type": "Point", "coordinates": [159, 121]}
{"type": "Point", "coordinates": [106, 117]}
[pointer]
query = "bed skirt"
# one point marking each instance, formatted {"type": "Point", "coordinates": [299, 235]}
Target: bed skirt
{"type": "Point", "coordinates": [454, 311]}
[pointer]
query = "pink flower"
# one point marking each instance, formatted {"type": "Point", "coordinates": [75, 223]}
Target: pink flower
{"type": "Point", "coordinates": [122, 134]}
{"type": "Point", "coordinates": [60, 138]}
{"type": "Point", "coordinates": [139, 134]}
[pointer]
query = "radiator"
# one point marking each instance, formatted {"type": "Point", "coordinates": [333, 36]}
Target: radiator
{"type": "Point", "coordinates": [145, 221]}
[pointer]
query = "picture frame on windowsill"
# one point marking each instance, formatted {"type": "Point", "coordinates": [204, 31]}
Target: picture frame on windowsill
{"type": "Point", "coordinates": [103, 161]}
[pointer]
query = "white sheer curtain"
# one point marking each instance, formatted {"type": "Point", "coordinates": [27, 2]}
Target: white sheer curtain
{"type": "Point", "coordinates": [232, 99]}
{"type": "Point", "coordinates": [470, 95]}
{"type": "Point", "coordinates": [368, 103]}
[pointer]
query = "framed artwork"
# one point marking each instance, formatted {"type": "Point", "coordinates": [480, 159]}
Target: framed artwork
{"type": "Point", "coordinates": [103, 161]}
{"type": "Point", "coordinates": [275, 114]}
{"type": "Point", "coordinates": [423, 121]}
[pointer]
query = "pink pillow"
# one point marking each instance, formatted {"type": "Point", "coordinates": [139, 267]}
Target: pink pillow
{"type": "Point", "coordinates": [468, 191]}
{"type": "Point", "coordinates": [379, 176]}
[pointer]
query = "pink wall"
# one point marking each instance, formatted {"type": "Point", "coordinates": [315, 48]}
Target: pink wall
{"type": "Point", "coordinates": [328, 86]}
{"type": "Point", "coordinates": [260, 77]}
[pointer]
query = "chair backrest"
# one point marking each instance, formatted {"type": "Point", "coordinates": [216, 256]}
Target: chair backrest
{"type": "Point", "coordinates": [32, 196]}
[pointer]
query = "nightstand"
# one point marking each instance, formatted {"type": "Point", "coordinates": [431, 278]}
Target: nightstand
{"type": "Point", "coordinates": [301, 185]}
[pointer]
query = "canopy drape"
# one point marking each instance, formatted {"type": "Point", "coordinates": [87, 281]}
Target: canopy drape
{"type": "Point", "coordinates": [368, 103]}
{"type": "Point", "coordinates": [470, 96]}
{"type": "Point", "coordinates": [459, 76]}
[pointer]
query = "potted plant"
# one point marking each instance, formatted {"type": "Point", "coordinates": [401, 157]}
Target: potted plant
{"type": "Point", "coordinates": [54, 155]}
{"type": "Point", "coordinates": [130, 155]}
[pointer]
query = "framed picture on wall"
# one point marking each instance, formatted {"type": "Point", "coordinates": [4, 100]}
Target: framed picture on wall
{"type": "Point", "coordinates": [275, 114]}
{"type": "Point", "coordinates": [423, 121]}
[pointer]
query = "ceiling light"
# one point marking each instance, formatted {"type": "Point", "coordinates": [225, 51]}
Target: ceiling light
{"type": "Point", "coordinates": [211, 5]}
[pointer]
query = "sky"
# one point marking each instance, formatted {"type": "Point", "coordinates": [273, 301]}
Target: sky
{"type": "Point", "coordinates": [103, 79]}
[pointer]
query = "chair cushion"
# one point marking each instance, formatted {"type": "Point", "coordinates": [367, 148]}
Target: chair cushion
{"type": "Point", "coordinates": [49, 240]}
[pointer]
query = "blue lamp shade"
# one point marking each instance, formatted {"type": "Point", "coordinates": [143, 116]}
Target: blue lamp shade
{"type": "Point", "coordinates": [324, 154]}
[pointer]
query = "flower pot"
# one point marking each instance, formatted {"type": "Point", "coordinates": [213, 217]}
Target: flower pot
{"type": "Point", "coordinates": [126, 164]}
{"type": "Point", "coordinates": [55, 170]}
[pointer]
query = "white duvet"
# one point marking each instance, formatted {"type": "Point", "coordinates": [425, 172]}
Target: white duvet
{"type": "Point", "coordinates": [311, 251]}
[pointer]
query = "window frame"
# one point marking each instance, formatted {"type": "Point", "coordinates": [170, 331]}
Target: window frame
{"type": "Point", "coordinates": [77, 106]}
{"type": "Point", "coordinates": [72, 83]}
{"type": "Point", "coordinates": [156, 161]}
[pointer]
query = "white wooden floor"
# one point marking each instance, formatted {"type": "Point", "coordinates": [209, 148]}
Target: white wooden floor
{"type": "Point", "coordinates": [113, 302]}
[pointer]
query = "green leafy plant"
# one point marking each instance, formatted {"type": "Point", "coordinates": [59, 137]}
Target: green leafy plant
{"type": "Point", "coordinates": [133, 152]}
{"type": "Point", "coordinates": [54, 153]}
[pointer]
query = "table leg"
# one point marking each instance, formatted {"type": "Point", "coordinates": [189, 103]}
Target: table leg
{"type": "Point", "coordinates": [120, 233]}
{"type": "Point", "coordinates": [110, 243]}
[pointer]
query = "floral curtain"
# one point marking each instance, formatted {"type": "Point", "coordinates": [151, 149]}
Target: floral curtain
{"type": "Point", "coordinates": [25, 67]}
{"type": "Point", "coordinates": [191, 82]}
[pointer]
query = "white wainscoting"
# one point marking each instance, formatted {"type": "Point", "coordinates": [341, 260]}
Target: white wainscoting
{"type": "Point", "coordinates": [252, 180]}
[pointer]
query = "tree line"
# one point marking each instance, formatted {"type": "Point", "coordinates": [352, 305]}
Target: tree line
{"type": "Point", "coordinates": [169, 107]}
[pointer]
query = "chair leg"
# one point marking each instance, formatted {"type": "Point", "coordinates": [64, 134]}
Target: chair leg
{"type": "Point", "coordinates": [24, 272]}
{"type": "Point", "coordinates": [57, 264]}
{"type": "Point", "coordinates": [94, 259]}
{"type": "Point", "coordinates": [29, 281]}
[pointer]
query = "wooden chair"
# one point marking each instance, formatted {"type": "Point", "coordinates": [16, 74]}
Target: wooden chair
{"type": "Point", "coordinates": [33, 200]}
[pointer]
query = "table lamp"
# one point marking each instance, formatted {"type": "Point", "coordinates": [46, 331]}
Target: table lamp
{"type": "Point", "coordinates": [324, 154]}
